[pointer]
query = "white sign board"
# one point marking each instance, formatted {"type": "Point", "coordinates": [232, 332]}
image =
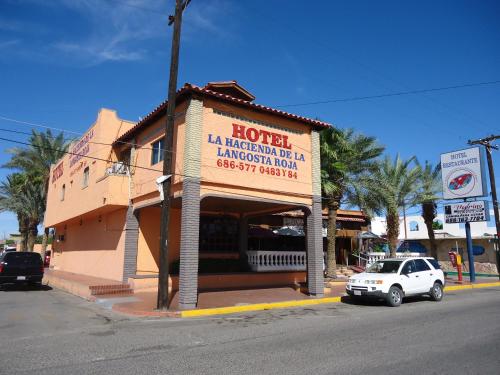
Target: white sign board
{"type": "Point", "coordinates": [463, 174]}
{"type": "Point", "coordinates": [467, 211]}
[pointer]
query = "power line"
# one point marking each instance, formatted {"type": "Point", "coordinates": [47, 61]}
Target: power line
{"type": "Point", "coordinates": [400, 93]}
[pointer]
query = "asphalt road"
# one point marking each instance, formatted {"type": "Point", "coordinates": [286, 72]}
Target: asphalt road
{"type": "Point", "coordinates": [51, 332]}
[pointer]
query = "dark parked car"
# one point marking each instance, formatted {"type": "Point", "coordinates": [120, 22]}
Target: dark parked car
{"type": "Point", "coordinates": [18, 267]}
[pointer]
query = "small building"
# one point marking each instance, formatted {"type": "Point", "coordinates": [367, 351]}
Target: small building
{"type": "Point", "coordinates": [234, 162]}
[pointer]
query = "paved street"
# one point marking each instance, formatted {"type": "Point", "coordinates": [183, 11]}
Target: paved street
{"type": "Point", "coordinates": [50, 332]}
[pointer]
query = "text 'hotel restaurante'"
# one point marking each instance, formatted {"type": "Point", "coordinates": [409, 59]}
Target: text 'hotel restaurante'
{"type": "Point", "coordinates": [240, 170]}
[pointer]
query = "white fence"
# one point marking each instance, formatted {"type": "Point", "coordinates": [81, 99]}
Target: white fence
{"type": "Point", "coordinates": [262, 261]}
{"type": "Point", "coordinates": [373, 257]}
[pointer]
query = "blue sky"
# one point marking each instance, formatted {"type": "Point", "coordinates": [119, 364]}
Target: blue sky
{"type": "Point", "coordinates": [62, 60]}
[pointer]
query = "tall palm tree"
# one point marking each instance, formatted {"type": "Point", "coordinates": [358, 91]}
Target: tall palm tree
{"type": "Point", "coordinates": [345, 155]}
{"type": "Point", "coordinates": [429, 191]}
{"type": "Point", "coordinates": [44, 150]}
{"type": "Point", "coordinates": [32, 197]}
{"type": "Point", "coordinates": [10, 200]}
{"type": "Point", "coordinates": [395, 184]}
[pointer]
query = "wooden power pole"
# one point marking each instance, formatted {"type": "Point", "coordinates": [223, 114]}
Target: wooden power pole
{"type": "Point", "coordinates": [486, 142]}
{"type": "Point", "coordinates": [165, 181]}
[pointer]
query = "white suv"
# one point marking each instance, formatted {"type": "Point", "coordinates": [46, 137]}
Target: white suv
{"type": "Point", "coordinates": [395, 278]}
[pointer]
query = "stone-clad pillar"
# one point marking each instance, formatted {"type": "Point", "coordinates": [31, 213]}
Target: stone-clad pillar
{"type": "Point", "coordinates": [190, 216]}
{"type": "Point", "coordinates": [131, 243]}
{"type": "Point", "coordinates": [315, 281]}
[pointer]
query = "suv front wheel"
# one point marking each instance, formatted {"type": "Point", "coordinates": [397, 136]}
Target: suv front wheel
{"type": "Point", "coordinates": [395, 296]}
{"type": "Point", "coordinates": [437, 292]}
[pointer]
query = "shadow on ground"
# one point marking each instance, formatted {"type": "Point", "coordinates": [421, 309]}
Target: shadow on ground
{"type": "Point", "coordinates": [380, 302]}
{"type": "Point", "coordinates": [24, 287]}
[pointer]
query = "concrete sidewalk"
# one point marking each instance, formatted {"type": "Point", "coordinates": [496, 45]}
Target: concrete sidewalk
{"type": "Point", "coordinates": [143, 303]}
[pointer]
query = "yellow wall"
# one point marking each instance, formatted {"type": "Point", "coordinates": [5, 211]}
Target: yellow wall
{"type": "Point", "coordinates": [94, 248]}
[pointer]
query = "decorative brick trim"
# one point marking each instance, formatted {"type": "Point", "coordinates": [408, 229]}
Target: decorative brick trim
{"type": "Point", "coordinates": [131, 243]}
{"type": "Point", "coordinates": [315, 280]}
{"type": "Point", "coordinates": [316, 163]}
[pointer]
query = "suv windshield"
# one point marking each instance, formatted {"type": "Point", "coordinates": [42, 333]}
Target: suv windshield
{"type": "Point", "coordinates": [385, 266]}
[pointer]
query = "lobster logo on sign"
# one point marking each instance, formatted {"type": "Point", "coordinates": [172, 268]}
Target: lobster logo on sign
{"type": "Point", "coordinates": [461, 181]}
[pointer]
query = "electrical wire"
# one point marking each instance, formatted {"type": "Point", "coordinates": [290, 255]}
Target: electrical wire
{"type": "Point", "coordinates": [400, 93]}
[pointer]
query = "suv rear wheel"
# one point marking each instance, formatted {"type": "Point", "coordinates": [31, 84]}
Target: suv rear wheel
{"type": "Point", "coordinates": [437, 292]}
{"type": "Point", "coordinates": [395, 296]}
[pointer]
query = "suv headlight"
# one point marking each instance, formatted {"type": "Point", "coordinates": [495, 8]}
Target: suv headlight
{"type": "Point", "coordinates": [374, 281]}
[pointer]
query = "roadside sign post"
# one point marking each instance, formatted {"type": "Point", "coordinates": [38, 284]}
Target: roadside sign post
{"type": "Point", "coordinates": [463, 177]}
{"type": "Point", "coordinates": [470, 253]}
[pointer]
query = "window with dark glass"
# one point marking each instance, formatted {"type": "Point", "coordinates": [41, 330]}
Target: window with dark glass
{"type": "Point", "coordinates": [218, 234]}
{"type": "Point", "coordinates": [85, 181]}
{"type": "Point", "coordinates": [421, 265]}
{"type": "Point", "coordinates": [157, 151]}
{"type": "Point", "coordinates": [409, 267]}
{"type": "Point", "coordinates": [434, 263]}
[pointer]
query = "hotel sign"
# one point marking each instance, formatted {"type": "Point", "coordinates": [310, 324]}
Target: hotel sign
{"type": "Point", "coordinates": [81, 149]}
{"type": "Point", "coordinates": [249, 149]}
{"type": "Point", "coordinates": [466, 212]}
{"type": "Point", "coordinates": [463, 174]}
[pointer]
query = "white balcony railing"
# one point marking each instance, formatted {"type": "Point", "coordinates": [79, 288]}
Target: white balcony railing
{"type": "Point", "coordinates": [268, 261]}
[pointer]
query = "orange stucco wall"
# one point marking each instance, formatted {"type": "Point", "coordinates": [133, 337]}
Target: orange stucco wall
{"type": "Point", "coordinates": [92, 218]}
{"type": "Point", "coordinates": [149, 239]}
{"type": "Point", "coordinates": [101, 190]}
{"type": "Point", "coordinates": [94, 247]}
{"type": "Point", "coordinates": [288, 180]}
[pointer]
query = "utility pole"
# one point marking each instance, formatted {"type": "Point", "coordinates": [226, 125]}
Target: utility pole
{"type": "Point", "coordinates": [165, 180]}
{"type": "Point", "coordinates": [486, 142]}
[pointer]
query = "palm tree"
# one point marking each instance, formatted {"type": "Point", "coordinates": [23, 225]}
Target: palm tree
{"type": "Point", "coordinates": [345, 155]}
{"type": "Point", "coordinates": [32, 198]}
{"type": "Point", "coordinates": [395, 184]}
{"type": "Point", "coordinates": [10, 200]}
{"type": "Point", "coordinates": [430, 187]}
{"type": "Point", "coordinates": [44, 150]}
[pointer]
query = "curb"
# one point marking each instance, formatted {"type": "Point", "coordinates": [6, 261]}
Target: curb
{"type": "Point", "coordinates": [471, 286]}
{"type": "Point", "coordinates": [297, 303]}
{"type": "Point", "coordinates": [257, 307]}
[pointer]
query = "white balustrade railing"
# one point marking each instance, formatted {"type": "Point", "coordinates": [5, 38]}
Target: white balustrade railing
{"type": "Point", "coordinates": [262, 261]}
{"type": "Point", "coordinates": [373, 257]}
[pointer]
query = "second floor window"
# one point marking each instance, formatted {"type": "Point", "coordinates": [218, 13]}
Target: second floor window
{"type": "Point", "coordinates": [85, 181]}
{"type": "Point", "coordinates": [63, 192]}
{"type": "Point", "coordinates": [157, 151]}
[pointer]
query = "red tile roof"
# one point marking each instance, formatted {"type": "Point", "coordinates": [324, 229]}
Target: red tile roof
{"type": "Point", "coordinates": [188, 89]}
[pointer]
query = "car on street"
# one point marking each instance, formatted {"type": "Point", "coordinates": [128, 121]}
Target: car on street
{"type": "Point", "coordinates": [21, 267]}
{"type": "Point", "coordinates": [393, 279]}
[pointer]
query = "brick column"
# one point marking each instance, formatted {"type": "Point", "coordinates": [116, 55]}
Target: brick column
{"type": "Point", "coordinates": [131, 243]}
{"type": "Point", "coordinates": [315, 281]}
{"type": "Point", "coordinates": [190, 216]}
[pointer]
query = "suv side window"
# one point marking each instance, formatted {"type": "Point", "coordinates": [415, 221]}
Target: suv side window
{"type": "Point", "coordinates": [421, 265]}
{"type": "Point", "coordinates": [434, 263]}
{"type": "Point", "coordinates": [409, 267]}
